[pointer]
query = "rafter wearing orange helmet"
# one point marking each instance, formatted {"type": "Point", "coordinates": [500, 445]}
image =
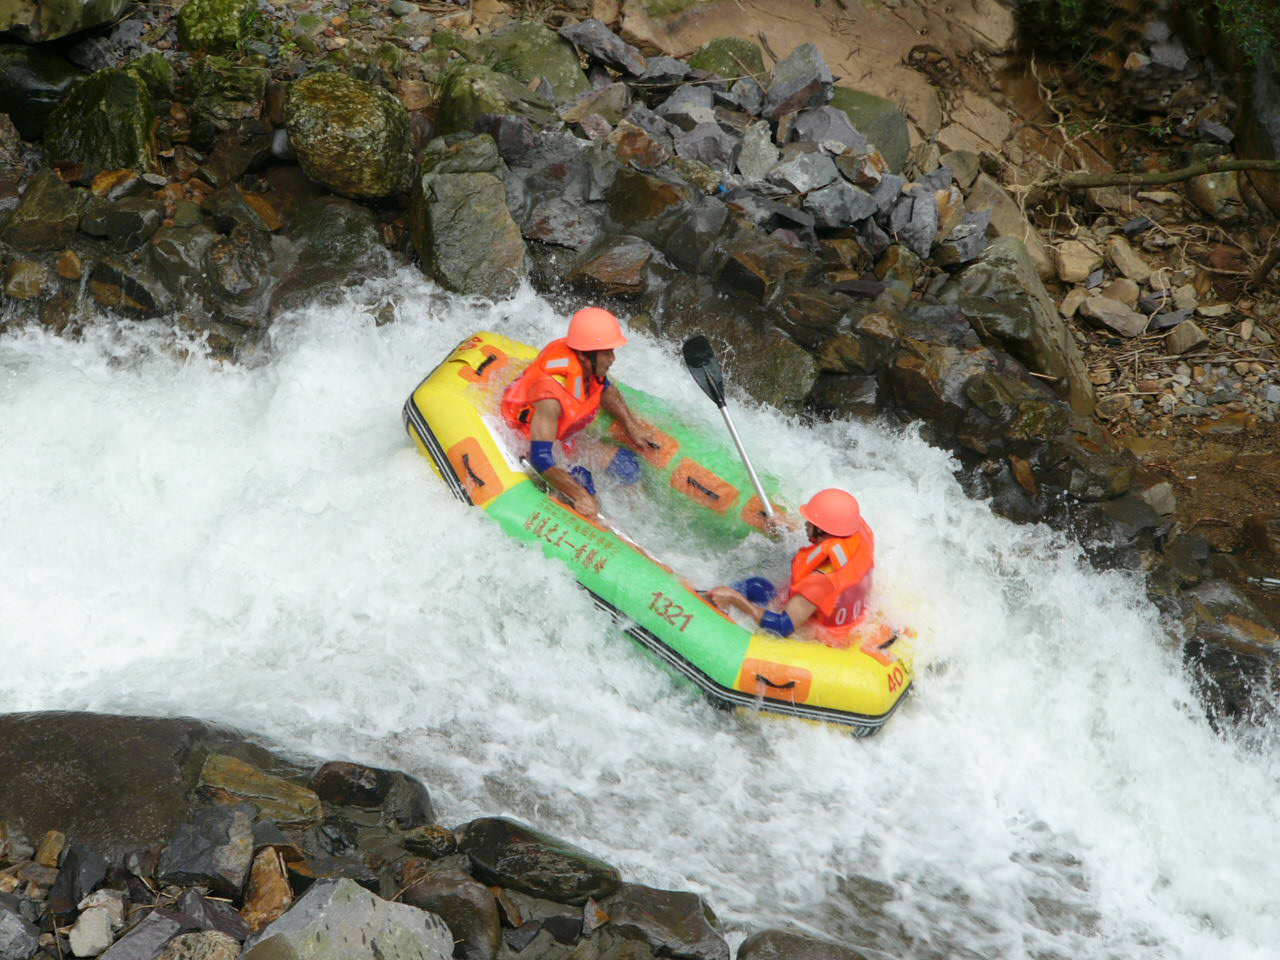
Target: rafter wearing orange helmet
{"type": "Point", "coordinates": [560, 395]}
{"type": "Point", "coordinates": [830, 578]}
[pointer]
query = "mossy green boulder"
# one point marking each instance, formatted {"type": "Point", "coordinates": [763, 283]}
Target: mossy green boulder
{"type": "Point", "coordinates": [223, 92]}
{"type": "Point", "coordinates": [107, 123]}
{"type": "Point", "coordinates": [47, 215]}
{"type": "Point", "coordinates": [36, 22]}
{"type": "Point", "coordinates": [214, 26]}
{"type": "Point", "coordinates": [33, 80]}
{"type": "Point", "coordinates": [879, 121]}
{"type": "Point", "coordinates": [527, 51]}
{"type": "Point", "coordinates": [474, 89]}
{"type": "Point", "coordinates": [156, 72]}
{"type": "Point", "coordinates": [730, 57]}
{"type": "Point", "coordinates": [349, 135]}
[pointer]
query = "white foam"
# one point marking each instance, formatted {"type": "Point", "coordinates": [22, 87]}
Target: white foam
{"type": "Point", "coordinates": [261, 545]}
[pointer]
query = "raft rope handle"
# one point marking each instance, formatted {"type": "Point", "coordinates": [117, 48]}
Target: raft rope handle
{"type": "Point", "coordinates": [701, 489]}
{"type": "Point", "coordinates": [888, 643]}
{"type": "Point", "coordinates": [789, 685]}
{"type": "Point", "coordinates": [484, 364]}
{"type": "Point", "coordinates": [466, 465]}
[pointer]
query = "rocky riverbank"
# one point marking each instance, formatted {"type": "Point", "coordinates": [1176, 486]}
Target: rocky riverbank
{"type": "Point", "coordinates": [214, 164]}
{"type": "Point", "coordinates": [145, 839]}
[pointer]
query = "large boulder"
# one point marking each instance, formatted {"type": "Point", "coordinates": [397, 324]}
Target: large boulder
{"type": "Point", "coordinates": [349, 135]}
{"type": "Point", "coordinates": [527, 51]}
{"type": "Point", "coordinates": [214, 26]}
{"type": "Point", "coordinates": [334, 243]}
{"type": "Point", "coordinates": [37, 22]}
{"type": "Point", "coordinates": [673, 923]}
{"type": "Point", "coordinates": [879, 121]}
{"type": "Point", "coordinates": [224, 93]}
{"type": "Point", "coordinates": [33, 80]}
{"type": "Point", "coordinates": [511, 854]}
{"type": "Point", "coordinates": [106, 123]}
{"type": "Point", "coordinates": [785, 945]}
{"type": "Point", "coordinates": [109, 782]}
{"type": "Point", "coordinates": [341, 919]}
{"type": "Point", "coordinates": [1004, 299]}
{"type": "Point", "coordinates": [475, 90]}
{"type": "Point", "coordinates": [47, 215]}
{"type": "Point", "coordinates": [465, 236]}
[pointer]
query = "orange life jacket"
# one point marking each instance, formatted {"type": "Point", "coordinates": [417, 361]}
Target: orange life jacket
{"type": "Point", "coordinates": [555, 374]}
{"type": "Point", "coordinates": [847, 561]}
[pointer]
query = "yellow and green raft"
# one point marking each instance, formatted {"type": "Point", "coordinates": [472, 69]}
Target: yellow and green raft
{"type": "Point", "coordinates": [453, 419]}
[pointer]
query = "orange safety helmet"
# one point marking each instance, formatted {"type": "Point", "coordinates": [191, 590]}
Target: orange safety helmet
{"type": "Point", "coordinates": [833, 511]}
{"type": "Point", "coordinates": [594, 328]}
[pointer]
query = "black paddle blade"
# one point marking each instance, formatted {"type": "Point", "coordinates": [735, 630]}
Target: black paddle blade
{"type": "Point", "coordinates": [702, 363]}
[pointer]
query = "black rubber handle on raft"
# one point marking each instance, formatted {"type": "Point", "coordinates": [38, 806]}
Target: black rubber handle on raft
{"type": "Point", "coordinates": [702, 364]}
{"type": "Point", "coordinates": [484, 364]}
{"type": "Point", "coordinates": [776, 686]}
{"type": "Point", "coordinates": [701, 489]}
{"type": "Point", "coordinates": [466, 465]}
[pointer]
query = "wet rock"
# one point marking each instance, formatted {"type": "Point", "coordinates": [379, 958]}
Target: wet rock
{"type": "Point", "coordinates": [595, 40]}
{"type": "Point", "coordinates": [808, 171]}
{"type": "Point", "coordinates": [1003, 294]}
{"type": "Point", "coordinates": [336, 243]}
{"type": "Point", "coordinates": [351, 136]}
{"type": "Point", "coordinates": [277, 800]}
{"type": "Point", "coordinates": [224, 93]}
{"type": "Point", "coordinates": [708, 143]}
{"type": "Point", "coordinates": [756, 265]}
{"type": "Point", "coordinates": [19, 939]}
{"type": "Point", "coordinates": [475, 90]}
{"type": "Point", "coordinates": [563, 222]}
{"type": "Point", "coordinates": [401, 799]}
{"type": "Point", "coordinates": [514, 137]}
{"type": "Point", "coordinates": [156, 73]}
{"type": "Point", "coordinates": [303, 873]}
{"type": "Point", "coordinates": [467, 906]}
{"type": "Point", "coordinates": [39, 22]}
{"type": "Point", "coordinates": [47, 214]}
{"type": "Point", "coordinates": [730, 57]}
{"type": "Point", "coordinates": [877, 119]}
{"type": "Point", "coordinates": [201, 913]}
{"type": "Point", "coordinates": [25, 279]}
{"type": "Point", "coordinates": [1007, 220]}
{"type": "Point", "coordinates": [105, 123]}
{"type": "Point", "coordinates": [839, 204]}
{"type": "Point", "coordinates": [214, 26]}
{"type": "Point", "coordinates": [621, 266]}
{"type": "Point", "coordinates": [1185, 337]}
{"type": "Point", "coordinates": [801, 80]}
{"type": "Point", "coordinates": [464, 233]}
{"type": "Point", "coordinates": [646, 205]}
{"type": "Point", "coordinates": [513, 855]}
{"type": "Point", "coordinates": [526, 51]}
{"type": "Point", "coordinates": [82, 870]}
{"type": "Point", "coordinates": [268, 894]}
{"type": "Point", "coordinates": [672, 923]}
{"type": "Point", "coordinates": [634, 145]}
{"type": "Point", "coordinates": [784, 945]}
{"type": "Point", "coordinates": [215, 850]}
{"type": "Point", "coordinates": [33, 80]}
{"type": "Point", "coordinates": [1108, 314]}
{"type": "Point", "coordinates": [340, 919]}
{"type": "Point", "coordinates": [965, 242]}
{"type": "Point", "coordinates": [126, 223]}
{"type": "Point", "coordinates": [204, 945]}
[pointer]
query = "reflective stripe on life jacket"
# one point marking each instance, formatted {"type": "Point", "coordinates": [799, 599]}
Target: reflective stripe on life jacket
{"type": "Point", "coordinates": [848, 561]}
{"type": "Point", "coordinates": [555, 374]}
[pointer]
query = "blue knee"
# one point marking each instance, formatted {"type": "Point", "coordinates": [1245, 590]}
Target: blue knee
{"type": "Point", "coordinates": [625, 466]}
{"type": "Point", "coordinates": [584, 477]}
{"type": "Point", "coordinates": [756, 589]}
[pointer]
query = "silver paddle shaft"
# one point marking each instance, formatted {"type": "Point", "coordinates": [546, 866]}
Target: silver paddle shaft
{"type": "Point", "coordinates": [746, 462]}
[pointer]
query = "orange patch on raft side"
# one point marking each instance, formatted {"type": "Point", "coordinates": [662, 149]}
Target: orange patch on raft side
{"type": "Point", "coordinates": [775, 681]}
{"type": "Point", "coordinates": [753, 515]}
{"type": "Point", "coordinates": [474, 470]}
{"type": "Point", "coordinates": [668, 446]}
{"type": "Point", "coordinates": [494, 361]}
{"type": "Point", "coordinates": [702, 486]}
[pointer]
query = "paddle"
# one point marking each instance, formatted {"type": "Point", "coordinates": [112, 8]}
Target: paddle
{"type": "Point", "coordinates": [702, 364]}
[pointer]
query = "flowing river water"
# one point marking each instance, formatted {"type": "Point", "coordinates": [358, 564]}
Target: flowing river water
{"type": "Point", "coordinates": [260, 544]}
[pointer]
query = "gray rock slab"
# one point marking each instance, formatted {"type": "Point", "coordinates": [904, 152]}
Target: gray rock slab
{"type": "Point", "coordinates": [708, 143]}
{"type": "Point", "coordinates": [672, 923]}
{"type": "Point", "coordinates": [341, 919]}
{"type": "Point", "coordinates": [825, 124]}
{"type": "Point", "coordinates": [921, 228]}
{"type": "Point", "coordinates": [214, 850]}
{"type": "Point", "coordinates": [1108, 314]}
{"type": "Point", "coordinates": [758, 153]}
{"type": "Point", "coordinates": [1185, 337]}
{"type": "Point", "coordinates": [563, 222]}
{"type": "Point", "coordinates": [146, 940]}
{"type": "Point", "coordinates": [19, 940]}
{"type": "Point", "coordinates": [689, 106]}
{"type": "Point", "coordinates": [802, 80]}
{"type": "Point", "coordinates": [661, 70]}
{"type": "Point", "coordinates": [808, 171]}
{"type": "Point", "coordinates": [596, 40]}
{"type": "Point", "coordinates": [887, 194]}
{"type": "Point", "coordinates": [749, 95]}
{"type": "Point", "coordinates": [966, 241]}
{"type": "Point", "coordinates": [839, 204]}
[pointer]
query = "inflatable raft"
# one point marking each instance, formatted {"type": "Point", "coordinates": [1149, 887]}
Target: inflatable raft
{"type": "Point", "coordinates": [453, 419]}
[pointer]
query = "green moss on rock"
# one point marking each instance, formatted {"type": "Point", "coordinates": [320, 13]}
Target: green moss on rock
{"type": "Point", "coordinates": [107, 122]}
{"type": "Point", "coordinates": [214, 25]}
{"type": "Point", "coordinates": [879, 121]}
{"type": "Point", "coordinates": [527, 51]}
{"type": "Point", "coordinates": [730, 57]}
{"type": "Point", "coordinates": [474, 89]}
{"type": "Point", "coordinates": [156, 72]}
{"type": "Point", "coordinates": [223, 92]}
{"type": "Point", "coordinates": [351, 136]}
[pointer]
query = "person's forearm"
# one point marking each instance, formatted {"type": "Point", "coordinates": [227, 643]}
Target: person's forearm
{"type": "Point", "coordinates": [563, 481]}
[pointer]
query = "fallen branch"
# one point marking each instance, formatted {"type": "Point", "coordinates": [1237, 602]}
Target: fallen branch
{"type": "Point", "coordinates": [1267, 265]}
{"type": "Point", "coordinates": [1077, 181]}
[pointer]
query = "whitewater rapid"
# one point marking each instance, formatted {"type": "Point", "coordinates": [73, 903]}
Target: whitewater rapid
{"type": "Point", "coordinates": [260, 544]}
